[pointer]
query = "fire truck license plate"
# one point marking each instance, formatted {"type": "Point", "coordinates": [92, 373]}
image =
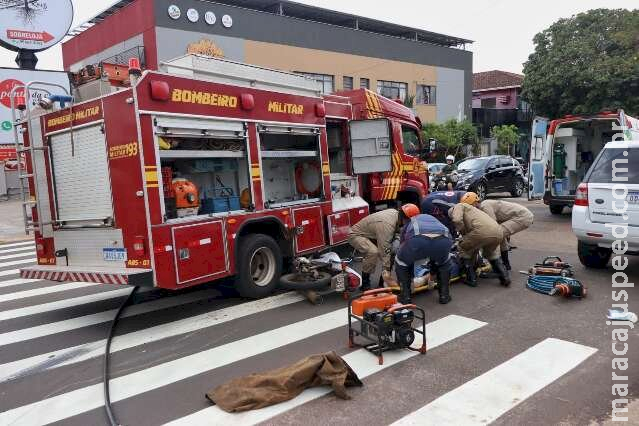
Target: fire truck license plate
{"type": "Point", "coordinates": [114, 254]}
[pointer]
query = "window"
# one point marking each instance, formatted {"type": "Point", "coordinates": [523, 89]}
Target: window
{"type": "Point", "coordinates": [614, 167]}
{"type": "Point", "coordinates": [489, 103]}
{"type": "Point", "coordinates": [327, 81]}
{"type": "Point", "coordinates": [505, 162]}
{"type": "Point", "coordinates": [410, 140]}
{"type": "Point", "coordinates": [364, 83]}
{"type": "Point", "coordinates": [347, 83]}
{"type": "Point", "coordinates": [425, 95]}
{"type": "Point", "coordinates": [392, 89]}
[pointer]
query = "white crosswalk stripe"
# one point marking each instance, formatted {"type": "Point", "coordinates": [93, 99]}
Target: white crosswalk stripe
{"type": "Point", "coordinates": [42, 291]}
{"type": "Point", "coordinates": [361, 361]}
{"type": "Point", "coordinates": [16, 281]}
{"type": "Point", "coordinates": [78, 401]}
{"type": "Point", "coordinates": [18, 262]}
{"type": "Point", "coordinates": [86, 351]}
{"type": "Point", "coordinates": [485, 398]}
{"type": "Point", "coordinates": [17, 250]}
{"type": "Point", "coordinates": [17, 244]}
{"type": "Point", "coordinates": [62, 304]}
{"type": "Point", "coordinates": [101, 317]}
{"type": "Point", "coordinates": [15, 255]}
{"type": "Point", "coordinates": [9, 272]}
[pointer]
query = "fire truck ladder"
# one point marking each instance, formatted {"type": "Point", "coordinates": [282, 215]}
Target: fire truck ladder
{"type": "Point", "coordinates": [23, 176]}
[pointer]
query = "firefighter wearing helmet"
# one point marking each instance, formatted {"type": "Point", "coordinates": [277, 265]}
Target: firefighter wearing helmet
{"type": "Point", "coordinates": [373, 238]}
{"type": "Point", "coordinates": [512, 218]}
{"type": "Point", "coordinates": [423, 237]}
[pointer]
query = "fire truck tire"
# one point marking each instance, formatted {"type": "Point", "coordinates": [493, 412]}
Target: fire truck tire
{"type": "Point", "coordinates": [259, 266]}
{"type": "Point", "coordinates": [297, 281]}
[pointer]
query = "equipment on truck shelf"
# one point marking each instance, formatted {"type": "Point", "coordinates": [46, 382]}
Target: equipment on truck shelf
{"type": "Point", "coordinates": [186, 197]}
{"type": "Point", "coordinates": [376, 318]}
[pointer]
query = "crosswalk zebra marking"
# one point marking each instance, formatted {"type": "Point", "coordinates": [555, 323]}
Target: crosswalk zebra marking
{"type": "Point", "coordinates": [18, 262]}
{"type": "Point", "coordinates": [38, 331]}
{"type": "Point", "coordinates": [62, 304]}
{"type": "Point", "coordinates": [17, 295]}
{"type": "Point", "coordinates": [72, 355]}
{"type": "Point", "coordinates": [438, 333]}
{"type": "Point", "coordinates": [16, 281]}
{"type": "Point", "coordinates": [84, 399]}
{"type": "Point", "coordinates": [489, 396]}
{"type": "Point", "coordinates": [15, 255]}
{"type": "Point", "coordinates": [9, 272]}
{"type": "Point", "coordinates": [17, 250]}
{"type": "Point", "coordinates": [18, 244]}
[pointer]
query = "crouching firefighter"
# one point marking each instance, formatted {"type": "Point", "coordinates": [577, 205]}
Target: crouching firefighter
{"type": "Point", "coordinates": [512, 217]}
{"type": "Point", "coordinates": [479, 231]}
{"type": "Point", "coordinates": [373, 238]}
{"type": "Point", "coordinates": [424, 237]}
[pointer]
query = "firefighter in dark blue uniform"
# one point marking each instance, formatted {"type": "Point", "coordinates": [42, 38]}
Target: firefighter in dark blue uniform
{"type": "Point", "coordinates": [437, 205]}
{"type": "Point", "coordinates": [424, 237]}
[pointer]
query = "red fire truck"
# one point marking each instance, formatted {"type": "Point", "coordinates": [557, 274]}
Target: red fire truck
{"type": "Point", "coordinates": [210, 169]}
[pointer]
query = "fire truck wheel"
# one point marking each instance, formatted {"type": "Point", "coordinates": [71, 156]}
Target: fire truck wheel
{"type": "Point", "coordinates": [259, 263]}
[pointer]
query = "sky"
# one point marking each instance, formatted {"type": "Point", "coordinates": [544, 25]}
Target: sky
{"type": "Point", "coordinates": [502, 29]}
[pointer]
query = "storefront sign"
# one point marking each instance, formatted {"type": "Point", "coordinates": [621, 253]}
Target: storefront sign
{"type": "Point", "coordinates": [34, 25]}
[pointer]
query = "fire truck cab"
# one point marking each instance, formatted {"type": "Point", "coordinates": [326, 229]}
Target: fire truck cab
{"type": "Point", "coordinates": [210, 169]}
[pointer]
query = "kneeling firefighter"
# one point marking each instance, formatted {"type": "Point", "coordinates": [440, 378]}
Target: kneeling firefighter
{"type": "Point", "coordinates": [373, 237]}
{"type": "Point", "coordinates": [512, 217]}
{"type": "Point", "coordinates": [479, 231]}
{"type": "Point", "coordinates": [424, 237]}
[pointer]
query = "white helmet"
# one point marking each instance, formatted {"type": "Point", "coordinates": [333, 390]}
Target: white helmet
{"type": "Point", "coordinates": [450, 158]}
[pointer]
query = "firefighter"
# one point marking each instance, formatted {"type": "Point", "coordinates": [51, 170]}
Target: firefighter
{"type": "Point", "coordinates": [479, 231]}
{"type": "Point", "coordinates": [512, 217]}
{"type": "Point", "coordinates": [373, 237]}
{"type": "Point", "coordinates": [437, 205]}
{"type": "Point", "coordinates": [424, 237]}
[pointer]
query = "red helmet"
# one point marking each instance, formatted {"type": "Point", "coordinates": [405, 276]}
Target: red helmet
{"type": "Point", "coordinates": [410, 210]}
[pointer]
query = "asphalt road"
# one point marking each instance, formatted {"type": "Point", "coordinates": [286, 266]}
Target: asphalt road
{"type": "Point", "coordinates": [496, 355]}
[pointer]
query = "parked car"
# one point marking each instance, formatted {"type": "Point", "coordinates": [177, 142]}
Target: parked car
{"type": "Point", "coordinates": [488, 175]}
{"type": "Point", "coordinates": [433, 169]}
{"type": "Point", "coordinates": [596, 208]}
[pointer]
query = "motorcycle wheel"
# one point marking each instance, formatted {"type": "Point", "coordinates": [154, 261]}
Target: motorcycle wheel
{"type": "Point", "coordinates": [297, 281]}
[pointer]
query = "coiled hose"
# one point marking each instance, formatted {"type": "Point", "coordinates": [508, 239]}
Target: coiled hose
{"type": "Point", "coordinates": [555, 285]}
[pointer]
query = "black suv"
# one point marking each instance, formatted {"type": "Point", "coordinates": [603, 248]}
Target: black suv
{"type": "Point", "coordinates": [486, 175]}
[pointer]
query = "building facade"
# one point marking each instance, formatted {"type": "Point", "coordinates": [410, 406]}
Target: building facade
{"type": "Point", "coordinates": [497, 101]}
{"type": "Point", "coordinates": [341, 51]}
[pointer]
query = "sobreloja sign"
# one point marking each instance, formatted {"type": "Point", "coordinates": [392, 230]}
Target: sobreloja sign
{"type": "Point", "coordinates": [34, 24]}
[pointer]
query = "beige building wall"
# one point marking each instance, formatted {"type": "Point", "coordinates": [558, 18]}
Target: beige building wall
{"type": "Point", "coordinates": [340, 64]}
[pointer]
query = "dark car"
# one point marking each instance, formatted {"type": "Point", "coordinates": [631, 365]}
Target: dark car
{"type": "Point", "coordinates": [487, 175]}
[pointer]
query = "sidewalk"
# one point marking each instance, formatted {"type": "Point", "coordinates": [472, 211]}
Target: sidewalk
{"type": "Point", "coordinates": [11, 222]}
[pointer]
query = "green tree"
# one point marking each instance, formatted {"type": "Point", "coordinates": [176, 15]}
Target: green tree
{"type": "Point", "coordinates": [585, 64]}
{"type": "Point", "coordinates": [451, 136]}
{"type": "Point", "coordinates": [506, 136]}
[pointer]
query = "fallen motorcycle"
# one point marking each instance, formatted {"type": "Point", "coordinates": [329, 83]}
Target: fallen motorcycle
{"type": "Point", "coordinates": [320, 276]}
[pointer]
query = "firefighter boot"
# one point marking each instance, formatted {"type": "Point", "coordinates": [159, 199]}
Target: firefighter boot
{"type": "Point", "coordinates": [471, 273]}
{"type": "Point", "coordinates": [405, 294]}
{"type": "Point", "coordinates": [443, 281]}
{"type": "Point", "coordinates": [504, 259]}
{"type": "Point", "coordinates": [366, 282]}
{"type": "Point", "coordinates": [501, 271]}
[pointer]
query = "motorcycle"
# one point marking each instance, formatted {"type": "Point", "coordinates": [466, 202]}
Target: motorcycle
{"type": "Point", "coordinates": [318, 277]}
{"type": "Point", "coordinates": [440, 182]}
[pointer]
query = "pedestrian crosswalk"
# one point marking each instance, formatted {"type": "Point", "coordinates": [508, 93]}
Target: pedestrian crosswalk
{"type": "Point", "coordinates": [168, 351]}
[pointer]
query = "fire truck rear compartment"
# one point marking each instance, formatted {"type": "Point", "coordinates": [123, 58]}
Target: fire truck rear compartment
{"type": "Point", "coordinates": [84, 234]}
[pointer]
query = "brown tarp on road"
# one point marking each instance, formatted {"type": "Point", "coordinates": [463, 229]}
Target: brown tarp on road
{"type": "Point", "coordinates": [272, 387]}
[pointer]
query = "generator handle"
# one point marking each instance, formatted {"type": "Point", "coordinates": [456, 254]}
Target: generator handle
{"type": "Point", "coordinates": [376, 291]}
{"type": "Point", "coordinates": [397, 307]}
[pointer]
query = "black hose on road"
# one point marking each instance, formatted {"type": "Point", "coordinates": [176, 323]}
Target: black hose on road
{"type": "Point", "coordinates": [105, 379]}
